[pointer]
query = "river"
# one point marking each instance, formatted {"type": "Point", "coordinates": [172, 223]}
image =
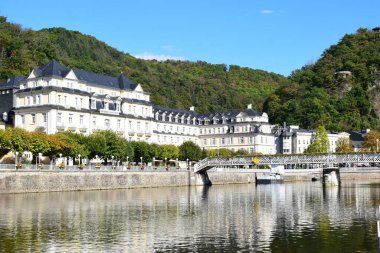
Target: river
{"type": "Point", "coordinates": [289, 217]}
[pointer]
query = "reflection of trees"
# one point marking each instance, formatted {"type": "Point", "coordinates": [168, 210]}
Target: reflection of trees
{"type": "Point", "coordinates": [277, 218]}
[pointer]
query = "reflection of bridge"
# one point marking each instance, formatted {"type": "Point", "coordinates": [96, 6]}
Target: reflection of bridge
{"type": "Point", "coordinates": [292, 160]}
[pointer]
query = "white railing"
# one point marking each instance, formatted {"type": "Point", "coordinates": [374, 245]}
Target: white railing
{"type": "Point", "coordinates": [365, 158]}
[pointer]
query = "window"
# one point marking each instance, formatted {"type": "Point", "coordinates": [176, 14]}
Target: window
{"type": "Point", "coordinates": [22, 119]}
{"type": "Point", "coordinates": [59, 99]}
{"type": "Point", "coordinates": [76, 102]}
{"type": "Point", "coordinates": [241, 140]}
{"type": "Point", "coordinates": [118, 124]}
{"type": "Point", "coordinates": [107, 123]}
{"type": "Point", "coordinates": [117, 107]}
{"type": "Point", "coordinates": [81, 117]}
{"type": "Point", "coordinates": [33, 119]}
{"type": "Point", "coordinates": [65, 100]}
{"type": "Point", "coordinates": [93, 104]}
{"type": "Point", "coordinates": [130, 124]}
{"type": "Point", "coordinates": [223, 141]}
{"type": "Point", "coordinates": [138, 126]}
{"type": "Point", "coordinates": [146, 127]}
{"type": "Point", "coordinates": [81, 102]}
{"type": "Point", "coordinates": [44, 118]}
{"type": "Point", "coordinates": [213, 141]}
{"type": "Point", "coordinates": [35, 100]}
{"type": "Point", "coordinates": [94, 121]}
{"type": "Point", "coordinates": [59, 117]}
{"type": "Point", "coordinates": [71, 118]}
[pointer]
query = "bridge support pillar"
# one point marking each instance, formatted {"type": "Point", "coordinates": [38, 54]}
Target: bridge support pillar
{"type": "Point", "coordinates": [205, 179]}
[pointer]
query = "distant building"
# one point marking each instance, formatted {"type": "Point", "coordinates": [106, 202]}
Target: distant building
{"type": "Point", "coordinates": [357, 138]}
{"type": "Point", "coordinates": [7, 91]}
{"type": "Point", "coordinates": [293, 140]}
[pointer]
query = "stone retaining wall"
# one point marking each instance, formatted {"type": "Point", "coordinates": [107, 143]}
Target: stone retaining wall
{"type": "Point", "coordinates": [44, 181]}
{"type": "Point", "coordinates": [21, 181]}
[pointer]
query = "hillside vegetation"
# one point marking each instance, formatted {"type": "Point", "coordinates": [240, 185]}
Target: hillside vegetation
{"type": "Point", "coordinates": [321, 95]}
{"type": "Point", "coordinates": [317, 94]}
{"type": "Point", "coordinates": [178, 84]}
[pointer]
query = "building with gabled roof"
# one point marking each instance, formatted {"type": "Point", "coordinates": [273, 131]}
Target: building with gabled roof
{"type": "Point", "coordinates": [54, 98]}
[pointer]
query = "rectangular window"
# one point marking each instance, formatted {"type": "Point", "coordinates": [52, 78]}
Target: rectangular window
{"type": "Point", "coordinates": [59, 99]}
{"type": "Point", "coordinates": [81, 102]}
{"type": "Point", "coordinates": [33, 119]}
{"type": "Point", "coordinates": [223, 141]}
{"type": "Point", "coordinates": [93, 104]}
{"type": "Point", "coordinates": [93, 121]}
{"type": "Point", "coordinates": [65, 100]}
{"type": "Point", "coordinates": [44, 118]}
{"type": "Point", "coordinates": [146, 127]}
{"type": "Point", "coordinates": [76, 102]}
{"type": "Point", "coordinates": [81, 117]}
{"type": "Point", "coordinates": [22, 120]}
{"type": "Point", "coordinates": [118, 124]}
{"type": "Point", "coordinates": [107, 123]}
{"type": "Point", "coordinates": [71, 118]}
{"type": "Point", "coordinates": [138, 126]}
{"type": "Point", "coordinates": [59, 117]}
{"type": "Point", "coordinates": [241, 140]}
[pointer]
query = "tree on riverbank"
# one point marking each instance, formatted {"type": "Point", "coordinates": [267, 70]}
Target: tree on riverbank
{"type": "Point", "coordinates": [190, 150]}
{"type": "Point", "coordinates": [320, 142]}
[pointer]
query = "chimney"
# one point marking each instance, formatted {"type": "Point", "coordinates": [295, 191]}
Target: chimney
{"type": "Point", "coordinates": [249, 106]}
{"type": "Point", "coordinates": [192, 108]}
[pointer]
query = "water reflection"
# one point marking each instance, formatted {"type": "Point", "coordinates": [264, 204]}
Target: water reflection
{"type": "Point", "coordinates": [300, 217]}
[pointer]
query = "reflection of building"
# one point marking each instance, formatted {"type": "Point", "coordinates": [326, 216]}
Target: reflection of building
{"type": "Point", "coordinates": [56, 98]}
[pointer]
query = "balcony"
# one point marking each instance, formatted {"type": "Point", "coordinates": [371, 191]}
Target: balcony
{"type": "Point", "coordinates": [83, 129]}
{"type": "Point", "coordinates": [104, 111]}
{"type": "Point", "coordinates": [72, 128]}
{"type": "Point", "coordinates": [60, 127]}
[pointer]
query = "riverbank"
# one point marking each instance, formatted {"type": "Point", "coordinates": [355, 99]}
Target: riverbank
{"type": "Point", "coordinates": [25, 181]}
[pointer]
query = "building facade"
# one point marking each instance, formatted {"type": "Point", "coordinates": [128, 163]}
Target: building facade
{"type": "Point", "coordinates": [56, 98]}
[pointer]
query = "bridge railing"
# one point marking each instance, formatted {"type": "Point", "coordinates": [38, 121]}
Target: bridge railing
{"type": "Point", "coordinates": [356, 158]}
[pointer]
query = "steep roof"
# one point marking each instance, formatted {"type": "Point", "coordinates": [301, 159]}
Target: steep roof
{"type": "Point", "coordinates": [13, 82]}
{"type": "Point", "coordinates": [53, 68]}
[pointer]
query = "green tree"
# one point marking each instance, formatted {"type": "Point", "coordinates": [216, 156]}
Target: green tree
{"type": "Point", "coordinates": [5, 141]}
{"type": "Point", "coordinates": [190, 150]}
{"type": "Point", "coordinates": [344, 145]}
{"type": "Point", "coordinates": [320, 142]}
{"type": "Point", "coordinates": [168, 151]}
{"type": "Point", "coordinates": [77, 144]}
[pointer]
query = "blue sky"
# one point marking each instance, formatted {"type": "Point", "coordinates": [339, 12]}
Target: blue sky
{"type": "Point", "coordinates": [273, 35]}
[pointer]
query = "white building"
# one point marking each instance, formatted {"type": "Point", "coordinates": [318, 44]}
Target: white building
{"type": "Point", "coordinates": [294, 140]}
{"type": "Point", "coordinates": [55, 98]}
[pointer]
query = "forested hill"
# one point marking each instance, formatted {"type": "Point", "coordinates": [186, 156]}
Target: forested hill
{"type": "Point", "coordinates": [341, 90]}
{"type": "Point", "coordinates": [177, 84]}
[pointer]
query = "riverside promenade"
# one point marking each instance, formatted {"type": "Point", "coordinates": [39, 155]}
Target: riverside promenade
{"type": "Point", "coordinates": [72, 178]}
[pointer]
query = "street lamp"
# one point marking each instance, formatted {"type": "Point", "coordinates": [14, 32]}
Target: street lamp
{"type": "Point", "coordinates": [377, 145]}
{"type": "Point", "coordinates": [141, 160]}
{"type": "Point", "coordinates": [112, 160]}
{"type": "Point", "coordinates": [187, 163]}
{"type": "Point", "coordinates": [127, 159]}
{"type": "Point", "coordinates": [154, 159]}
{"type": "Point", "coordinates": [79, 159]}
{"type": "Point", "coordinates": [16, 159]}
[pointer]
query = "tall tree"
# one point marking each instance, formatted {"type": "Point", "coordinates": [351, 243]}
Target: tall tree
{"type": "Point", "coordinates": [320, 142]}
{"type": "Point", "coordinates": [190, 150]}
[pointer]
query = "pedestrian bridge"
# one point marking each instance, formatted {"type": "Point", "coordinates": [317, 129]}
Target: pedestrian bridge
{"type": "Point", "coordinates": [322, 159]}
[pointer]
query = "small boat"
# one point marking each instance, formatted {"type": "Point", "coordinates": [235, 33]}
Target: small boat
{"type": "Point", "coordinates": [272, 178]}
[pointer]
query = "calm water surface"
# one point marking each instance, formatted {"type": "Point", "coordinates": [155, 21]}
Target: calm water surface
{"type": "Point", "coordinates": [292, 217]}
